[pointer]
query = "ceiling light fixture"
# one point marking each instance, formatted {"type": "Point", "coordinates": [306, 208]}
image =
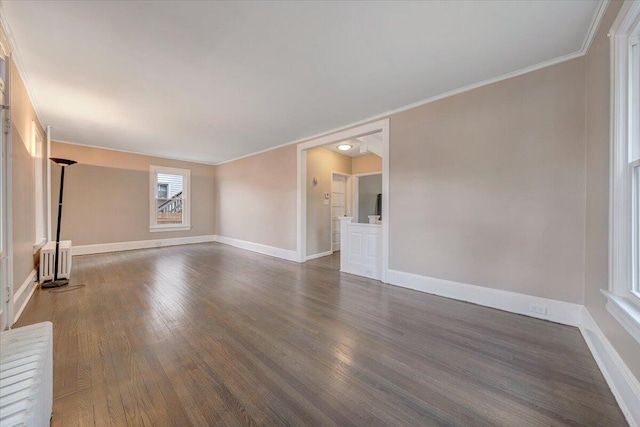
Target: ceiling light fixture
{"type": "Point", "coordinates": [345, 147]}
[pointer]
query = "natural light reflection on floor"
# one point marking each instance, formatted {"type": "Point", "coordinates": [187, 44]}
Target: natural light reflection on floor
{"type": "Point", "coordinates": [169, 288]}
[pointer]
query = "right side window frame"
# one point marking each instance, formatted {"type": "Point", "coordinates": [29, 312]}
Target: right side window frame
{"type": "Point", "coordinates": [634, 156]}
{"type": "Point", "coordinates": [623, 294]}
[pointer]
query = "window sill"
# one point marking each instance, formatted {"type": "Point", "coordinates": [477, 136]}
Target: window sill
{"type": "Point", "coordinates": [625, 312]}
{"type": "Point", "coordinates": [160, 228]}
{"type": "Point", "coordinates": [38, 245]}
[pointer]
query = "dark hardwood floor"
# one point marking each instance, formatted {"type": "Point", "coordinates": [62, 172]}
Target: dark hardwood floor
{"type": "Point", "coordinates": [212, 335]}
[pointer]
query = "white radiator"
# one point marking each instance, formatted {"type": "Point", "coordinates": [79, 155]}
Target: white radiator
{"type": "Point", "coordinates": [47, 256]}
{"type": "Point", "coordinates": [26, 376]}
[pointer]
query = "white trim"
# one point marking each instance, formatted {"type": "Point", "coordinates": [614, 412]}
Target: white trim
{"type": "Point", "coordinates": [17, 60]}
{"type": "Point", "coordinates": [285, 254]}
{"type": "Point", "coordinates": [386, 196]}
{"type": "Point", "coordinates": [586, 44]}
{"type": "Point", "coordinates": [8, 193]}
{"type": "Point", "coordinates": [381, 126]}
{"type": "Point", "coordinates": [367, 174]}
{"type": "Point", "coordinates": [320, 255]}
{"type": "Point", "coordinates": [137, 153]}
{"type": "Point", "coordinates": [621, 381]}
{"type": "Point", "coordinates": [620, 212]}
{"type": "Point", "coordinates": [348, 196]}
{"type": "Point", "coordinates": [48, 184]}
{"type": "Point", "coordinates": [448, 94]}
{"type": "Point", "coordinates": [186, 196]}
{"type": "Point", "coordinates": [140, 244]}
{"type": "Point", "coordinates": [31, 279]}
{"type": "Point", "coordinates": [38, 245]}
{"type": "Point", "coordinates": [557, 311]}
{"type": "Point", "coordinates": [595, 23]}
{"type": "Point", "coordinates": [39, 158]}
{"type": "Point", "coordinates": [169, 227]}
{"type": "Point", "coordinates": [625, 312]}
{"type": "Point", "coordinates": [584, 49]}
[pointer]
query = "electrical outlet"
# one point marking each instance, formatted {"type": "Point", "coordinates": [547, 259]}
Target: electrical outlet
{"type": "Point", "coordinates": [537, 308]}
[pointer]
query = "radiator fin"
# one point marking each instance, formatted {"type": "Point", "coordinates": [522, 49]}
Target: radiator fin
{"type": "Point", "coordinates": [26, 376]}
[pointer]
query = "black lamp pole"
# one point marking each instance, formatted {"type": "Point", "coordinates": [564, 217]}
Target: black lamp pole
{"type": "Point", "coordinates": [63, 163]}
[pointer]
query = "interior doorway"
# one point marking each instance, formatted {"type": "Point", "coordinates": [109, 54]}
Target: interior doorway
{"type": "Point", "coordinates": [378, 146]}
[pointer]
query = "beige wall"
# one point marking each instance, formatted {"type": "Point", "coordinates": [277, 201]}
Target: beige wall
{"type": "Point", "coordinates": [23, 180]}
{"type": "Point", "coordinates": [261, 189]}
{"type": "Point", "coordinates": [256, 198]}
{"type": "Point", "coordinates": [320, 164]}
{"type": "Point", "coordinates": [106, 196]}
{"type": "Point", "coordinates": [367, 163]}
{"type": "Point", "coordinates": [487, 187]}
{"type": "Point", "coordinates": [597, 203]}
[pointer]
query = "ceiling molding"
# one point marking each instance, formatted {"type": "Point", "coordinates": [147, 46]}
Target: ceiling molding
{"type": "Point", "coordinates": [595, 23]}
{"type": "Point", "coordinates": [444, 95]}
{"type": "Point", "coordinates": [15, 58]}
{"type": "Point", "coordinates": [600, 11]}
{"type": "Point", "coordinates": [137, 153]}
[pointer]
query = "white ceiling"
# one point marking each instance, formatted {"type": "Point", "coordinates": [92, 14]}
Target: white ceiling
{"type": "Point", "coordinates": [211, 81]}
{"type": "Point", "coordinates": [355, 143]}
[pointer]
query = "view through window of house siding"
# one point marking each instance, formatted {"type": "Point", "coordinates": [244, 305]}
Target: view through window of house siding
{"type": "Point", "coordinates": [169, 199]}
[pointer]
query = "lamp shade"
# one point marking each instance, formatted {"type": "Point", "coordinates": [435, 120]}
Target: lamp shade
{"type": "Point", "coordinates": [62, 162]}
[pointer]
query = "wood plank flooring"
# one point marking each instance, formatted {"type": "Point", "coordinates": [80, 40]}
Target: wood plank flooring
{"type": "Point", "coordinates": [212, 335]}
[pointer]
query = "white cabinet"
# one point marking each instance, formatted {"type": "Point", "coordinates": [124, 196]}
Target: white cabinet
{"type": "Point", "coordinates": [361, 247]}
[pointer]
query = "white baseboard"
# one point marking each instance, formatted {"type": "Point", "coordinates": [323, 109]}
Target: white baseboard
{"type": "Point", "coordinates": [286, 254]}
{"type": "Point", "coordinates": [557, 311]}
{"type": "Point", "coordinates": [621, 381]}
{"type": "Point", "coordinates": [140, 244]}
{"type": "Point", "coordinates": [29, 285]}
{"type": "Point", "coordinates": [320, 255]}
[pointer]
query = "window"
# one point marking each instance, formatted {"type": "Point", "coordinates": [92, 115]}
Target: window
{"type": "Point", "coordinates": [624, 282]}
{"type": "Point", "coordinates": [170, 199]}
{"type": "Point", "coordinates": [38, 167]}
{"type": "Point", "coordinates": [163, 191]}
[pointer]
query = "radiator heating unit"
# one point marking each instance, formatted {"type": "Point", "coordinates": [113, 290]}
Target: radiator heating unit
{"type": "Point", "coordinates": [26, 376]}
{"type": "Point", "coordinates": [47, 256]}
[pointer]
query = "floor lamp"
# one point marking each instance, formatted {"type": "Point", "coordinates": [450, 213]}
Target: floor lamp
{"type": "Point", "coordinates": [63, 163]}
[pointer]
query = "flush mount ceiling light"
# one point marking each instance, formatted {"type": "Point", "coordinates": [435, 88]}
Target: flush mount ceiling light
{"type": "Point", "coordinates": [345, 147]}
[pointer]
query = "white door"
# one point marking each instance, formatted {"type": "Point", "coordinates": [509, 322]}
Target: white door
{"type": "Point", "coordinates": [338, 190]}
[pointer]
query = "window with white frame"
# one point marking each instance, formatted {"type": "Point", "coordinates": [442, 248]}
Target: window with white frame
{"type": "Point", "coordinates": [170, 201]}
{"type": "Point", "coordinates": [38, 167]}
{"type": "Point", "coordinates": [624, 287]}
{"type": "Point", "coordinates": [634, 157]}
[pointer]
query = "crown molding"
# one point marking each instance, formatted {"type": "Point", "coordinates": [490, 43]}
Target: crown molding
{"type": "Point", "coordinates": [17, 60]}
{"type": "Point", "coordinates": [426, 101]}
{"type": "Point", "coordinates": [595, 23]}
{"type": "Point", "coordinates": [138, 153]}
{"type": "Point", "coordinates": [586, 44]}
